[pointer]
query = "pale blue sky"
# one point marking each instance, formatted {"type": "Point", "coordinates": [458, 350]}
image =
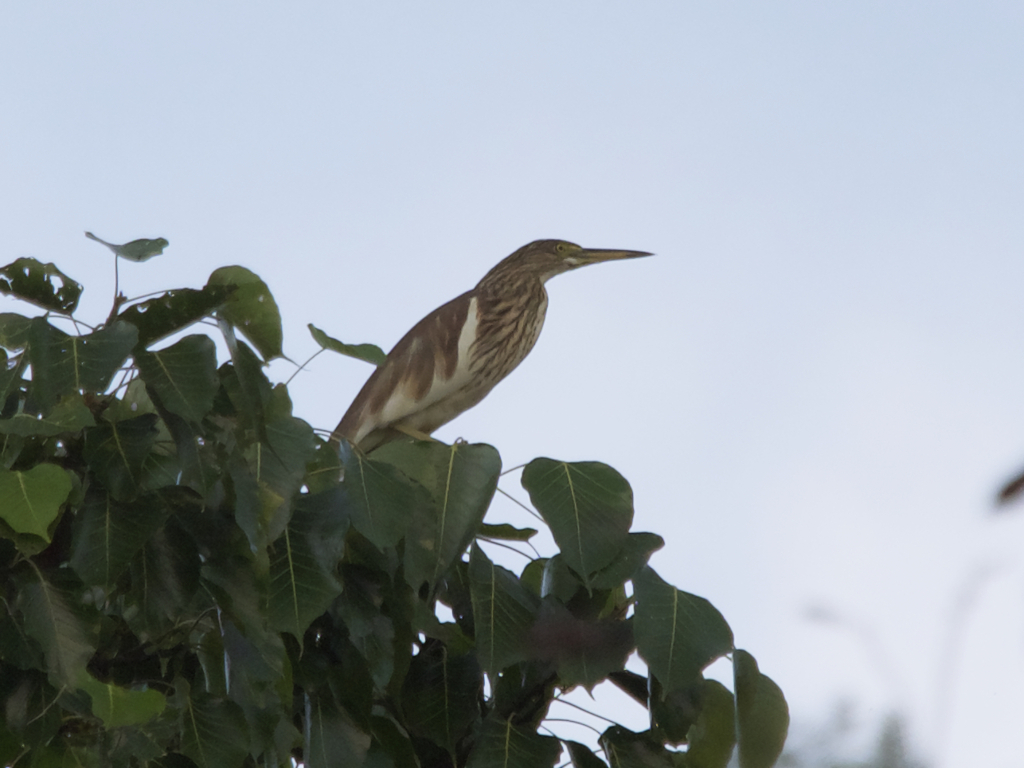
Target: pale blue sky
{"type": "Point", "coordinates": [814, 388]}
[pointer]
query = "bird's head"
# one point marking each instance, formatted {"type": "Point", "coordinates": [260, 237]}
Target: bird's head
{"type": "Point", "coordinates": [546, 258]}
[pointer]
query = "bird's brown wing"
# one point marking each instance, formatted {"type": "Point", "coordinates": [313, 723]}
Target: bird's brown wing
{"type": "Point", "coordinates": [428, 353]}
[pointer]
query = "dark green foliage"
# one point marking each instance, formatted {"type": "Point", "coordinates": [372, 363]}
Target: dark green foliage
{"type": "Point", "coordinates": [192, 577]}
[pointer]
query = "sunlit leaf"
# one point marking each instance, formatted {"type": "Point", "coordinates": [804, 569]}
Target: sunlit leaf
{"type": "Point", "coordinates": [251, 309]}
{"type": "Point", "coordinates": [137, 250]}
{"type": "Point", "coordinates": [369, 353]}
{"type": "Point", "coordinates": [183, 376]}
{"type": "Point", "coordinates": [118, 707]}
{"type": "Point", "coordinates": [41, 284]}
{"type": "Point", "coordinates": [677, 634]}
{"type": "Point", "coordinates": [31, 500]}
{"type": "Point", "coordinates": [589, 507]}
{"type": "Point", "coordinates": [762, 715]}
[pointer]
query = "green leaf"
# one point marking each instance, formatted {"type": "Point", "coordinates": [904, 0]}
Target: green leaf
{"type": "Point", "coordinates": [41, 284]}
{"type": "Point", "coordinates": [461, 480]}
{"type": "Point", "coordinates": [380, 499]}
{"type": "Point", "coordinates": [371, 629]}
{"type": "Point", "coordinates": [634, 556]}
{"type": "Point", "coordinates": [425, 622]}
{"type": "Point", "coordinates": [582, 757]}
{"type": "Point", "coordinates": [11, 370]}
{"type": "Point", "coordinates": [331, 738]}
{"type": "Point", "coordinates": [503, 612]}
{"type": "Point", "coordinates": [184, 376]}
{"type": "Point", "coordinates": [712, 737]}
{"type": "Point", "coordinates": [673, 713]}
{"type": "Point", "coordinates": [118, 707]}
{"type": "Point", "coordinates": [303, 562]}
{"type": "Point", "coordinates": [106, 534]}
{"type": "Point", "coordinates": [762, 715]}
{"type": "Point", "coordinates": [164, 579]}
{"type": "Point", "coordinates": [505, 532]}
{"type": "Point", "coordinates": [628, 749]}
{"type": "Point", "coordinates": [245, 383]}
{"type": "Point", "coordinates": [56, 618]}
{"type": "Point", "coordinates": [136, 250]}
{"type": "Point", "coordinates": [63, 364]}
{"type": "Point", "coordinates": [29, 713]}
{"type": "Point", "coordinates": [14, 331]}
{"type": "Point", "coordinates": [117, 452]}
{"type": "Point", "coordinates": [391, 742]}
{"type": "Point", "coordinates": [499, 743]}
{"type": "Point", "coordinates": [633, 685]}
{"type": "Point", "coordinates": [677, 634]}
{"type": "Point", "coordinates": [174, 310]}
{"type": "Point", "coordinates": [441, 695]}
{"type": "Point", "coordinates": [214, 732]}
{"type": "Point", "coordinates": [30, 501]}
{"type": "Point", "coordinates": [251, 309]}
{"type": "Point", "coordinates": [69, 415]}
{"type": "Point", "coordinates": [369, 353]}
{"type": "Point", "coordinates": [271, 476]}
{"type": "Point", "coordinates": [589, 507]}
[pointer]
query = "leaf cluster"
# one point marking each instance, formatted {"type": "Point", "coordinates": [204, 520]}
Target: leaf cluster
{"type": "Point", "coordinates": [192, 576]}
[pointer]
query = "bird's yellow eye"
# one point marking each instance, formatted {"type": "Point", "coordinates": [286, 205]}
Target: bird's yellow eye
{"type": "Point", "coordinates": [560, 248]}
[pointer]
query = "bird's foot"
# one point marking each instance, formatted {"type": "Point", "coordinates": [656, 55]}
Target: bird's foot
{"type": "Point", "coordinates": [415, 434]}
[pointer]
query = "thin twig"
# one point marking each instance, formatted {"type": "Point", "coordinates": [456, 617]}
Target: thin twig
{"type": "Point", "coordinates": [506, 546]}
{"type": "Point", "coordinates": [582, 709]}
{"type": "Point", "coordinates": [517, 501]}
{"type": "Point", "coordinates": [299, 369]}
{"type": "Point", "coordinates": [574, 722]}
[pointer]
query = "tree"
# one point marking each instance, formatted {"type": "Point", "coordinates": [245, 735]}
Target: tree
{"type": "Point", "coordinates": [192, 576]}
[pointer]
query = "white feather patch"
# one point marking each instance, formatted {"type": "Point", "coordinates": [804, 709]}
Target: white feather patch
{"type": "Point", "coordinates": [400, 405]}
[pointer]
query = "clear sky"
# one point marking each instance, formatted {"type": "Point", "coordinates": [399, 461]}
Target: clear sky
{"type": "Point", "coordinates": [814, 387]}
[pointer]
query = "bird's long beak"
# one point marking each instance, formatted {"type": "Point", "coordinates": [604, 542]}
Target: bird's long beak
{"type": "Point", "coordinates": [595, 255]}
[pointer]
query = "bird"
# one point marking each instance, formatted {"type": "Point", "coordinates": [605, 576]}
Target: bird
{"type": "Point", "coordinates": [452, 358]}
